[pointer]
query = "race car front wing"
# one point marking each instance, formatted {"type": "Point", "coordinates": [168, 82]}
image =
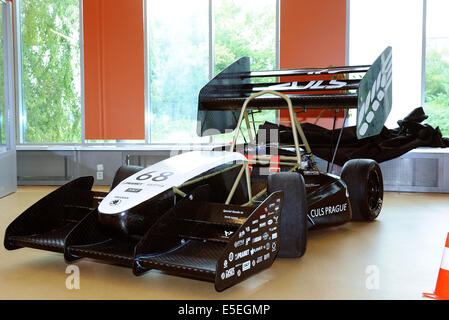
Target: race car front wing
{"type": "Point", "coordinates": [196, 238]}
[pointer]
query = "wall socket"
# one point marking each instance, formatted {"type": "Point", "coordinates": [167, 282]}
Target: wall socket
{"type": "Point", "coordinates": [100, 175]}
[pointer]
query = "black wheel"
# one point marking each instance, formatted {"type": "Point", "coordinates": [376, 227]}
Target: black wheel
{"type": "Point", "coordinates": [363, 178]}
{"type": "Point", "coordinates": [124, 172]}
{"type": "Point", "coordinates": [293, 230]}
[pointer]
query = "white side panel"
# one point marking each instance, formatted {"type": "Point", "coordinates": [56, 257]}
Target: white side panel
{"type": "Point", "coordinates": [162, 176]}
{"type": "Point", "coordinates": [8, 162]}
{"type": "Point", "coordinates": [8, 173]}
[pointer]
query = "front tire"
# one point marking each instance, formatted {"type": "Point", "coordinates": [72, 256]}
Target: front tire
{"type": "Point", "coordinates": [363, 179]}
{"type": "Point", "coordinates": [293, 228]}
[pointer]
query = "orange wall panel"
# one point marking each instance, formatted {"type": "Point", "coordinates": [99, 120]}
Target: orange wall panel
{"type": "Point", "coordinates": [313, 34]}
{"type": "Point", "coordinates": [114, 73]}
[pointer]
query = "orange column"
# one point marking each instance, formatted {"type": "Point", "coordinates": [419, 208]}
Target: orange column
{"type": "Point", "coordinates": [114, 73]}
{"type": "Point", "coordinates": [313, 34]}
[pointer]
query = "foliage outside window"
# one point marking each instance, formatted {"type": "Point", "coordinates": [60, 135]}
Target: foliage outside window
{"type": "Point", "coordinates": [179, 67]}
{"type": "Point", "coordinates": [51, 86]}
{"type": "Point", "coordinates": [179, 56]}
{"type": "Point", "coordinates": [246, 28]}
{"type": "Point", "coordinates": [437, 65]}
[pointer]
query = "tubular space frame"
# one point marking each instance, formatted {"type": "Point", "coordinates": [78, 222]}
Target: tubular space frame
{"type": "Point", "coordinates": [296, 130]}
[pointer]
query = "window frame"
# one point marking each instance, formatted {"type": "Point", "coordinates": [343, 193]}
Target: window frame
{"type": "Point", "coordinates": [20, 121]}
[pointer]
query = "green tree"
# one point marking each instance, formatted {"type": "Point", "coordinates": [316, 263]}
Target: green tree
{"type": "Point", "coordinates": [245, 28]}
{"type": "Point", "coordinates": [437, 90]}
{"type": "Point", "coordinates": [51, 71]}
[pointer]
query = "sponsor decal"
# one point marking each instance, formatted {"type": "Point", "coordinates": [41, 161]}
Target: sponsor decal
{"type": "Point", "coordinates": [230, 272]}
{"type": "Point", "coordinates": [239, 243]}
{"type": "Point", "coordinates": [133, 190]}
{"type": "Point", "coordinates": [229, 211]}
{"type": "Point", "coordinates": [254, 250]}
{"type": "Point", "coordinates": [311, 185]}
{"type": "Point", "coordinates": [231, 217]}
{"type": "Point", "coordinates": [115, 202]}
{"type": "Point", "coordinates": [324, 211]}
{"type": "Point", "coordinates": [241, 254]}
{"type": "Point", "coordinates": [257, 239]}
{"type": "Point", "coordinates": [311, 85]}
{"type": "Point", "coordinates": [227, 234]}
{"type": "Point", "coordinates": [375, 96]}
{"type": "Point", "coordinates": [133, 183]}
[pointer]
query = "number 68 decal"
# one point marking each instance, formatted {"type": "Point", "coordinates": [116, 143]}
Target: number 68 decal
{"type": "Point", "coordinates": [149, 175]}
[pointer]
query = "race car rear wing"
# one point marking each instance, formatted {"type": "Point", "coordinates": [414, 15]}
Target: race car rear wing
{"type": "Point", "coordinates": [220, 101]}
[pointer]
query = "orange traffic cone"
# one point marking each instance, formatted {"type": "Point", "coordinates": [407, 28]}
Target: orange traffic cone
{"type": "Point", "coordinates": [442, 288]}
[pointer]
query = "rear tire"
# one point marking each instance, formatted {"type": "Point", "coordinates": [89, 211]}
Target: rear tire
{"type": "Point", "coordinates": [293, 229]}
{"type": "Point", "coordinates": [363, 179]}
{"type": "Point", "coordinates": [124, 172]}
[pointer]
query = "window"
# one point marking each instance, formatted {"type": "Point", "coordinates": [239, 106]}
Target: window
{"type": "Point", "coordinates": [179, 66]}
{"type": "Point", "coordinates": [50, 71]}
{"type": "Point", "coordinates": [179, 50]}
{"type": "Point", "coordinates": [371, 33]}
{"type": "Point", "coordinates": [246, 28]}
{"type": "Point", "coordinates": [437, 65]}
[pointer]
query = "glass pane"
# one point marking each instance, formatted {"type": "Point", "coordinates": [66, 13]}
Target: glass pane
{"type": "Point", "coordinates": [374, 25]}
{"type": "Point", "coordinates": [246, 28]}
{"type": "Point", "coordinates": [179, 67]}
{"type": "Point", "coordinates": [51, 87]}
{"type": "Point", "coordinates": [437, 65]}
{"type": "Point", "coordinates": [2, 89]}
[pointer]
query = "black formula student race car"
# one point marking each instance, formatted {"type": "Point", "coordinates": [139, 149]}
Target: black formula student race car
{"type": "Point", "coordinates": [224, 214]}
